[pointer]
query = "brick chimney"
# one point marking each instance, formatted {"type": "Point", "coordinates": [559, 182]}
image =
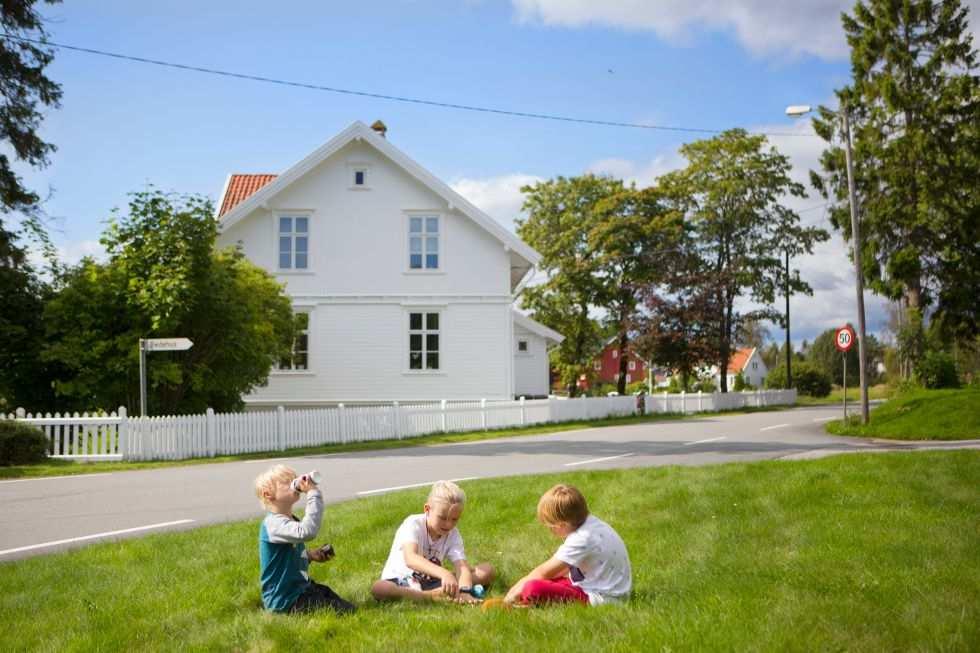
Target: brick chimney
{"type": "Point", "coordinates": [380, 127]}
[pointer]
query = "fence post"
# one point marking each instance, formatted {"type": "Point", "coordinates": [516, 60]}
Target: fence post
{"type": "Point", "coordinates": [683, 402]}
{"type": "Point", "coordinates": [666, 405]}
{"type": "Point", "coordinates": [398, 420]}
{"type": "Point", "coordinates": [20, 412]}
{"type": "Point", "coordinates": [281, 428]}
{"type": "Point", "coordinates": [552, 413]}
{"type": "Point", "coordinates": [340, 423]}
{"type": "Point", "coordinates": [523, 412]}
{"type": "Point", "coordinates": [483, 413]}
{"type": "Point", "coordinates": [122, 435]}
{"type": "Point", "coordinates": [700, 405]}
{"type": "Point", "coordinates": [209, 431]}
{"type": "Point", "coordinates": [442, 406]}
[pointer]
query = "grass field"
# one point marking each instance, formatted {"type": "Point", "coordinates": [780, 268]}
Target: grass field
{"type": "Point", "coordinates": [836, 395]}
{"type": "Point", "coordinates": [921, 415]}
{"type": "Point", "coordinates": [860, 552]}
{"type": "Point", "coordinates": [53, 467]}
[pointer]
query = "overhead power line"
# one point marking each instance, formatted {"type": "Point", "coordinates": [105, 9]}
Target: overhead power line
{"type": "Point", "coordinates": [383, 96]}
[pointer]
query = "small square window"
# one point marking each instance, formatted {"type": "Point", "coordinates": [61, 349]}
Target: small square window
{"type": "Point", "coordinates": [615, 353]}
{"type": "Point", "coordinates": [522, 345]}
{"type": "Point", "coordinates": [632, 365]}
{"type": "Point", "coordinates": [358, 177]}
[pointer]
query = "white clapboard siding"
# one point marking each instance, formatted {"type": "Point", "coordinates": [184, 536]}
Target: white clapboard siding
{"type": "Point", "coordinates": [116, 436]}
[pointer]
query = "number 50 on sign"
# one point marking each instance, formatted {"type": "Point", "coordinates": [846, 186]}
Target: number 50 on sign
{"type": "Point", "coordinates": [844, 338]}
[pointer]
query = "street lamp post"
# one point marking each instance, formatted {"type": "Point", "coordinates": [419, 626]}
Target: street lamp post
{"type": "Point", "coordinates": [800, 110]}
{"type": "Point", "coordinates": [789, 349]}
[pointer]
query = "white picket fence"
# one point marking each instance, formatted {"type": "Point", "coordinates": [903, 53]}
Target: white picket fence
{"type": "Point", "coordinates": [119, 437]}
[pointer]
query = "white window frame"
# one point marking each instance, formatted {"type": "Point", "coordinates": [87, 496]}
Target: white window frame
{"type": "Point", "coordinates": [291, 371]}
{"type": "Point", "coordinates": [354, 167]}
{"type": "Point", "coordinates": [527, 347]}
{"type": "Point", "coordinates": [615, 353]}
{"type": "Point", "coordinates": [278, 216]}
{"type": "Point", "coordinates": [632, 365]}
{"type": "Point", "coordinates": [441, 245]}
{"type": "Point", "coordinates": [597, 366]}
{"type": "Point", "coordinates": [424, 332]}
{"type": "Point", "coordinates": [629, 378]}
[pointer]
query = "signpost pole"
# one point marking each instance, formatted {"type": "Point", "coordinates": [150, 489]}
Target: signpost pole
{"type": "Point", "coordinates": [142, 378]}
{"type": "Point", "coordinates": [844, 356]}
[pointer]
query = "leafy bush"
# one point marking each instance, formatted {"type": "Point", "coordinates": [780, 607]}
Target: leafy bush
{"type": "Point", "coordinates": [807, 379]}
{"type": "Point", "coordinates": [937, 369]}
{"type": "Point", "coordinates": [741, 384]}
{"type": "Point", "coordinates": [20, 443]}
{"type": "Point", "coordinates": [705, 385]}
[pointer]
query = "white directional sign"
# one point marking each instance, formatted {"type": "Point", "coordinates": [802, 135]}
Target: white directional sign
{"type": "Point", "coordinates": [167, 344]}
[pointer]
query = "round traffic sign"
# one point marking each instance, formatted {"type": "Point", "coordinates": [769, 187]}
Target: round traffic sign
{"type": "Point", "coordinates": [844, 338]}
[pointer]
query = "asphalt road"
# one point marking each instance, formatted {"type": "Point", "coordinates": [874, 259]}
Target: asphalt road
{"type": "Point", "coordinates": [45, 515]}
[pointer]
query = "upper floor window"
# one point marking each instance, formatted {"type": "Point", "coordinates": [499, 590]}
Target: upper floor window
{"type": "Point", "coordinates": [755, 366]}
{"type": "Point", "coordinates": [299, 357]}
{"type": "Point", "coordinates": [423, 341]}
{"type": "Point", "coordinates": [597, 366]}
{"type": "Point", "coordinates": [632, 365]}
{"type": "Point", "coordinates": [615, 353]}
{"type": "Point", "coordinates": [423, 243]}
{"type": "Point", "coordinates": [294, 242]}
{"type": "Point", "coordinates": [522, 346]}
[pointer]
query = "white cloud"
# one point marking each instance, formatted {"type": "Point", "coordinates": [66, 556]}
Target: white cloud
{"type": "Point", "coordinates": [804, 27]}
{"type": "Point", "coordinates": [641, 174]}
{"type": "Point", "coordinates": [498, 197]}
{"type": "Point", "coordinates": [68, 253]}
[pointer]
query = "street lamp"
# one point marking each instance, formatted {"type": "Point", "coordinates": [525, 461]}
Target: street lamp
{"type": "Point", "coordinates": [797, 111]}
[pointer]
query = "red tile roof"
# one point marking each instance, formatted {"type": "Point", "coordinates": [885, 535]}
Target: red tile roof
{"type": "Point", "coordinates": [739, 359]}
{"type": "Point", "coordinates": [240, 187]}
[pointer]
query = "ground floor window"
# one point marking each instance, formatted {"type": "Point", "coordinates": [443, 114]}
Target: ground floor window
{"type": "Point", "coordinates": [299, 357]}
{"type": "Point", "coordinates": [423, 341]}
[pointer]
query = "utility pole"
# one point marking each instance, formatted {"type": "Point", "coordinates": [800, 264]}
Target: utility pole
{"type": "Point", "coordinates": [858, 272]}
{"type": "Point", "coordinates": [789, 349]}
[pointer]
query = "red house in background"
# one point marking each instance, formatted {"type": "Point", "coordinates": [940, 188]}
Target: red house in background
{"type": "Point", "coordinates": [606, 367]}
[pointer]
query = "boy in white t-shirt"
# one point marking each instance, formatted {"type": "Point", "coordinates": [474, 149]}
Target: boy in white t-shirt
{"type": "Point", "coordinates": [591, 566]}
{"type": "Point", "coordinates": [422, 544]}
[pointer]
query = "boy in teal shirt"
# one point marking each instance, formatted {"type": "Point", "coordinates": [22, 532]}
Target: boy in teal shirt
{"type": "Point", "coordinates": [284, 559]}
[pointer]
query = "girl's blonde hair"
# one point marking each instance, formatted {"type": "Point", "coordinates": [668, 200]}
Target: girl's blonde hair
{"type": "Point", "coordinates": [266, 481]}
{"type": "Point", "coordinates": [563, 503]}
{"type": "Point", "coordinates": [446, 492]}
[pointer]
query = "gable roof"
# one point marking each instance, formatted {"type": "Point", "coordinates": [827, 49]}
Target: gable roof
{"type": "Point", "coordinates": [523, 257]}
{"type": "Point", "coordinates": [740, 359]}
{"type": "Point", "coordinates": [537, 328]}
{"type": "Point", "coordinates": [239, 187]}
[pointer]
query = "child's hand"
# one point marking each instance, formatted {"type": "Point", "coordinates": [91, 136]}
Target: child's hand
{"type": "Point", "coordinates": [450, 586]}
{"type": "Point", "coordinates": [316, 555]}
{"type": "Point", "coordinates": [305, 484]}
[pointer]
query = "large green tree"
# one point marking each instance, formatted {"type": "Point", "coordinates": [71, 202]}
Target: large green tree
{"type": "Point", "coordinates": [560, 215]}
{"type": "Point", "coordinates": [730, 195]}
{"type": "Point", "coordinates": [914, 107]}
{"type": "Point", "coordinates": [825, 356]}
{"type": "Point", "coordinates": [163, 278]}
{"type": "Point", "coordinates": [631, 238]}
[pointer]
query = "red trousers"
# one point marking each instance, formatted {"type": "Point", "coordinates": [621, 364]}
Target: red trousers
{"type": "Point", "coordinates": [558, 590]}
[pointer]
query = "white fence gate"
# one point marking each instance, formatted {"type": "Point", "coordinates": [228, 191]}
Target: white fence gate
{"type": "Point", "coordinates": [119, 437]}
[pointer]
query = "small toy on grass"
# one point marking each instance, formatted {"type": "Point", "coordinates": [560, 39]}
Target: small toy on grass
{"type": "Point", "coordinates": [477, 591]}
{"type": "Point", "coordinates": [495, 604]}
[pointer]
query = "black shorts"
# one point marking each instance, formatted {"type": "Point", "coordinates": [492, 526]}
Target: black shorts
{"type": "Point", "coordinates": [317, 596]}
{"type": "Point", "coordinates": [425, 585]}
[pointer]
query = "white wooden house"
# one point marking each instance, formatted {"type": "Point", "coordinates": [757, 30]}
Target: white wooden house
{"type": "Point", "coordinates": [749, 362]}
{"type": "Point", "coordinates": [406, 288]}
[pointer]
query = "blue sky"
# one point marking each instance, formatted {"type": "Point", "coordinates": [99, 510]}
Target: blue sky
{"type": "Point", "coordinates": [702, 63]}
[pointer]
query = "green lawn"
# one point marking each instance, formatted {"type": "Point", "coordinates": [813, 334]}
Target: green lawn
{"type": "Point", "coordinates": [921, 415]}
{"type": "Point", "coordinates": [836, 396]}
{"type": "Point", "coordinates": [857, 552]}
{"type": "Point", "coordinates": [70, 467]}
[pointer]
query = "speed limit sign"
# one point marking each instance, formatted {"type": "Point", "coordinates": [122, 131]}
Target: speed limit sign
{"type": "Point", "coordinates": [844, 338]}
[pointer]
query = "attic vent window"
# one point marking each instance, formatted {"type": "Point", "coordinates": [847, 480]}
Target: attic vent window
{"type": "Point", "coordinates": [358, 177]}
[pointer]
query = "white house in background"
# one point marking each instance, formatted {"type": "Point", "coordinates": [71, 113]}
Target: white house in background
{"type": "Point", "coordinates": [406, 288]}
{"type": "Point", "coordinates": [749, 362]}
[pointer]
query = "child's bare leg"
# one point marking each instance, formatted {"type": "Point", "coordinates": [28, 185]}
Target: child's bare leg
{"type": "Point", "coordinates": [384, 590]}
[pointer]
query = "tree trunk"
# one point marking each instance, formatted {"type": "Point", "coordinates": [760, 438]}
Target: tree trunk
{"type": "Point", "coordinates": [623, 359]}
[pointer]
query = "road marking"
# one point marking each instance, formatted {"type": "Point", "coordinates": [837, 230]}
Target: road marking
{"type": "Point", "coordinates": [597, 460]}
{"type": "Point", "coordinates": [688, 444]}
{"type": "Point", "coordinates": [405, 487]}
{"type": "Point", "coordinates": [823, 419]}
{"type": "Point", "coordinates": [777, 426]}
{"type": "Point", "coordinates": [51, 478]}
{"type": "Point", "coordinates": [96, 536]}
{"type": "Point", "coordinates": [269, 460]}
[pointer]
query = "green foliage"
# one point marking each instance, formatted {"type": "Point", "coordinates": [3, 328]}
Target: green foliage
{"type": "Point", "coordinates": [919, 414]}
{"type": "Point", "coordinates": [824, 356]}
{"type": "Point", "coordinates": [937, 369]}
{"type": "Point", "coordinates": [807, 379]}
{"type": "Point", "coordinates": [739, 232]}
{"type": "Point", "coordinates": [163, 279]}
{"type": "Point", "coordinates": [741, 384]}
{"type": "Point", "coordinates": [913, 108]}
{"type": "Point", "coordinates": [21, 444]}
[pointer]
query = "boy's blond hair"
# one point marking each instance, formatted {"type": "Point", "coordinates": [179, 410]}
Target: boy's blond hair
{"type": "Point", "coordinates": [266, 481]}
{"type": "Point", "coordinates": [446, 492]}
{"type": "Point", "coordinates": [563, 503]}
